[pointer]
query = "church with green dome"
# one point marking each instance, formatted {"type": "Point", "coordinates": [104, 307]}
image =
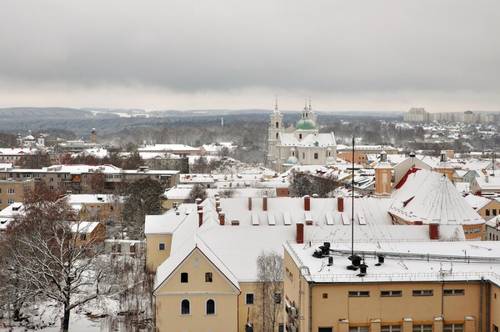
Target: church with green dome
{"type": "Point", "coordinates": [301, 144]}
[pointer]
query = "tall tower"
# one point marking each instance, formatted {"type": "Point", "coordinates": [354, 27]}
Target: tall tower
{"type": "Point", "coordinates": [93, 136]}
{"type": "Point", "coordinates": [274, 131]}
{"type": "Point", "coordinates": [383, 176]}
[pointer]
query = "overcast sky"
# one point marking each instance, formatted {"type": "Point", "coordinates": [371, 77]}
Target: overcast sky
{"type": "Point", "coordinates": [443, 55]}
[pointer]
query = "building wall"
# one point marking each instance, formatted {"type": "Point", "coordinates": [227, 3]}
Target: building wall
{"type": "Point", "coordinates": [359, 156]}
{"type": "Point", "coordinates": [492, 233]}
{"type": "Point", "coordinates": [296, 293]}
{"type": "Point", "coordinates": [14, 191]}
{"type": "Point", "coordinates": [360, 311]}
{"type": "Point", "coordinates": [495, 307]}
{"type": "Point", "coordinates": [101, 212]}
{"type": "Point", "coordinates": [490, 210]}
{"type": "Point", "coordinates": [197, 291]}
{"type": "Point", "coordinates": [253, 313]}
{"type": "Point", "coordinates": [155, 256]}
{"type": "Point", "coordinates": [98, 235]}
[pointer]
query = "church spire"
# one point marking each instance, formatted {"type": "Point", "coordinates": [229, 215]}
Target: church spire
{"type": "Point", "coordinates": [310, 107]}
{"type": "Point", "coordinates": [276, 103]}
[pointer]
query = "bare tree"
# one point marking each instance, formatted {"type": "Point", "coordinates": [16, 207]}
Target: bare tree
{"type": "Point", "coordinates": [198, 191]}
{"type": "Point", "coordinates": [270, 276]}
{"type": "Point", "coordinates": [143, 197]}
{"type": "Point", "coordinates": [50, 260]}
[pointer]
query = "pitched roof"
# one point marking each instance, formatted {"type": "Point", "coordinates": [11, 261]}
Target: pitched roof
{"type": "Point", "coordinates": [430, 197]}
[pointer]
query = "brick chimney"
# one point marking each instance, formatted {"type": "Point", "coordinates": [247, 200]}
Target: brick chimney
{"type": "Point", "coordinates": [340, 204]}
{"type": "Point", "coordinates": [264, 203]}
{"type": "Point", "coordinates": [222, 218]}
{"type": "Point", "coordinates": [434, 231]}
{"type": "Point", "coordinates": [307, 203]}
{"type": "Point", "coordinates": [200, 217]}
{"type": "Point", "coordinates": [300, 233]}
{"type": "Point", "coordinates": [249, 203]}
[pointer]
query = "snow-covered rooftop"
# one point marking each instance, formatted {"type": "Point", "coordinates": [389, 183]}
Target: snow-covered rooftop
{"type": "Point", "coordinates": [408, 261]}
{"type": "Point", "coordinates": [430, 197]}
{"type": "Point", "coordinates": [84, 227]}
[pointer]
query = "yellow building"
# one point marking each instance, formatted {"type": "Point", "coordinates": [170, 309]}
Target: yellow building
{"type": "Point", "coordinates": [12, 190]}
{"type": "Point", "coordinates": [416, 287]}
{"type": "Point", "coordinates": [205, 254]}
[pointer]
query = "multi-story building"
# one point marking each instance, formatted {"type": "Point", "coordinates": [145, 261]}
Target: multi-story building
{"type": "Point", "coordinates": [12, 190]}
{"type": "Point", "coordinates": [392, 287]}
{"type": "Point", "coordinates": [416, 115]}
{"type": "Point", "coordinates": [299, 145]}
{"type": "Point", "coordinates": [89, 179]}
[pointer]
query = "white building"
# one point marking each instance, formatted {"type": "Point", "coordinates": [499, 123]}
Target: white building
{"type": "Point", "coordinates": [299, 145]}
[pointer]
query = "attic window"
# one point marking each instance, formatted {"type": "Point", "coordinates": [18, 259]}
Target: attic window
{"type": "Point", "coordinates": [184, 277]}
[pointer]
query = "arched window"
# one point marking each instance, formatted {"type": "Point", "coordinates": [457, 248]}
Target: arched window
{"type": "Point", "coordinates": [277, 135]}
{"type": "Point", "coordinates": [315, 155]}
{"type": "Point", "coordinates": [277, 124]}
{"type": "Point", "coordinates": [210, 307]}
{"type": "Point", "coordinates": [185, 307]}
{"type": "Point", "coordinates": [300, 136]}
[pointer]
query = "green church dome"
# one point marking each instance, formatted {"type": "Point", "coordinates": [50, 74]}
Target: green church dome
{"type": "Point", "coordinates": [305, 124]}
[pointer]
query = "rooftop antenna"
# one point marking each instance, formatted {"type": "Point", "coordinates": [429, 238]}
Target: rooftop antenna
{"type": "Point", "coordinates": [355, 259]}
{"type": "Point", "coordinates": [493, 166]}
{"type": "Point", "coordinates": [352, 199]}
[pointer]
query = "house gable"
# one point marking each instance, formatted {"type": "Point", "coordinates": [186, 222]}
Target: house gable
{"type": "Point", "coordinates": [196, 264]}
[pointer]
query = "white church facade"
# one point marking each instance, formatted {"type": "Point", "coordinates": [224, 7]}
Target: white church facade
{"type": "Point", "coordinates": [301, 144]}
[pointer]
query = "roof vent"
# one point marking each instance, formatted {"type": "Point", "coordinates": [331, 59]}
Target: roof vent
{"type": "Point", "coordinates": [355, 262]}
{"type": "Point", "coordinates": [362, 269]}
{"type": "Point", "coordinates": [381, 260]}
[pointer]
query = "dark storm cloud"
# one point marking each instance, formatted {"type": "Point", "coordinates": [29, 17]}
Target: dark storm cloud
{"type": "Point", "coordinates": [215, 45]}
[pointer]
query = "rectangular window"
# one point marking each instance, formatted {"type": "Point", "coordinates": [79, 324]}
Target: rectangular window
{"type": "Point", "coordinates": [390, 328]}
{"type": "Point", "coordinates": [11, 191]}
{"type": "Point", "coordinates": [358, 328]}
{"type": "Point", "coordinates": [184, 277]}
{"type": "Point", "coordinates": [453, 328]}
{"type": "Point", "coordinates": [359, 293]}
{"type": "Point", "coordinates": [494, 212]}
{"type": "Point", "coordinates": [325, 329]}
{"type": "Point", "coordinates": [161, 246]}
{"type": "Point", "coordinates": [487, 212]}
{"type": "Point", "coordinates": [208, 277]}
{"type": "Point", "coordinates": [422, 328]}
{"type": "Point", "coordinates": [325, 295]}
{"type": "Point", "coordinates": [391, 293]}
{"type": "Point", "coordinates": [452, 292]}
{"type": "Point", "coordinates": [423, 292]}
{"type": "Point", "coordinates": [249, 298]}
